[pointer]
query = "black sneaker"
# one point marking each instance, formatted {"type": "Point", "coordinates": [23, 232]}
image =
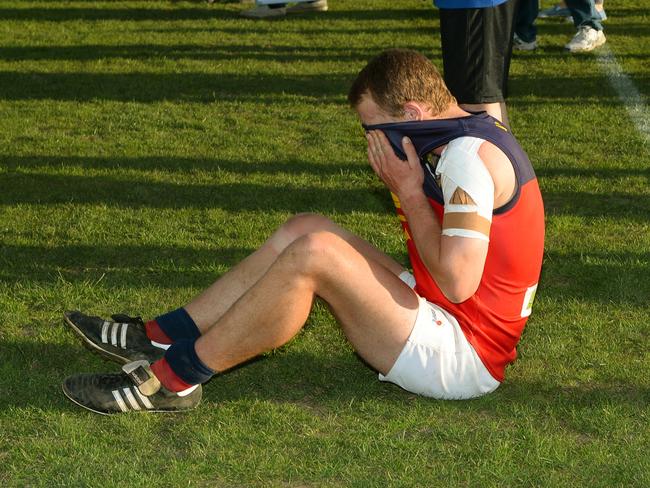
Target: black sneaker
{"type": "Point", "coordinates": [136, 388]}
{"type": "Point", "coordinates": [123, 339]}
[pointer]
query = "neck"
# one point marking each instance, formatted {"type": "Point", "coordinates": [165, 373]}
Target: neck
{"type": "Point", "coordinates": [452, 112]}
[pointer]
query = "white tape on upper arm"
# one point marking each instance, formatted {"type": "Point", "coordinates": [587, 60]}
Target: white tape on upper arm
{"type": "Point", "coordinates": [468, 190]}
{"type": "Point", "coordinates": [461, 167]}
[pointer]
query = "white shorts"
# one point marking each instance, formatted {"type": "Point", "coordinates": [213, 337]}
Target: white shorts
{"type": "Point", "coordinates": [437, 360]}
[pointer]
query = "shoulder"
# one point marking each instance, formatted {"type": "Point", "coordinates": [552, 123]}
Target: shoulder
{"type": "Point", "coordinates": [501, 170]}
{"type": "Point", "coordinates": [463, 150]}
{"type": "Point", "coordinates": [460, 154]}
{"type": "Point", "coordinates": [492, 155]}
{"type": "Point", "coordinates": [475, 158]}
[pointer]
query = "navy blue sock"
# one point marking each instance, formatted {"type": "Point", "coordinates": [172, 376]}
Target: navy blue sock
{"type": "Point", "coordinates": [178, 325]}
{"type": "Point", "coordinates": [186, 364]}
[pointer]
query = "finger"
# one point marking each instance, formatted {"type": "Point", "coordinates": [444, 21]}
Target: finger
{"type": "Point", "coordinates": [384, 143]}
{"type": "Point", "coordinates": [411, 153]}
{"type": "Point", "coordinates": [371, 156]}
{"type": "Point", "coordinates": [372, 141]}
{"type": "Point", "coordinates": [375, 148]}
{"type": "Point", "coordinates": [378, 135]}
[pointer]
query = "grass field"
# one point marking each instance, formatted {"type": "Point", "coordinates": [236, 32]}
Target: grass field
{"type": "Point", "coordinates": [146, 147]}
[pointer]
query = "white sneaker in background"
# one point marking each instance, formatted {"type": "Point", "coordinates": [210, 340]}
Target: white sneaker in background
{"type": "Point", "coordinates": [586, 39]}
{"type": "Point", "coordinates": [317, 6]}
{"type": "Point", "coordinates": [519, 44]}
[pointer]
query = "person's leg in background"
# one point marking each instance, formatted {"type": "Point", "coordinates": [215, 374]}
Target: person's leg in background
{"type": "Point", "coordinates": [525, 38]}
{"type": "Point", "coordinates": [587, 21]}
{"type": "Point", "coordinates": [561, 10]}
{"type": "Point", "coordinates": [476, 51]}
{"type": "Point", "coordinates": [600, 8]}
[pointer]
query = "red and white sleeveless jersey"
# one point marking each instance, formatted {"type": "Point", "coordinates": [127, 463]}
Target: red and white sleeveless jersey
{"type": "Point", "coordinates": [494, 317]}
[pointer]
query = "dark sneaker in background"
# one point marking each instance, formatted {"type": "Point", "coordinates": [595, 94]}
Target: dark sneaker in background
{"type": "Point", "coordinates": [121, 339]}
{"type": "Point", "coordinates": [135, 389]}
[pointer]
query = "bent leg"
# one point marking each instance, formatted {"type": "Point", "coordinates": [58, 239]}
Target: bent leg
{"type": "Point", "coordinates": [211, 304]}
{"type": "Point", "coordinates": [375, 308]}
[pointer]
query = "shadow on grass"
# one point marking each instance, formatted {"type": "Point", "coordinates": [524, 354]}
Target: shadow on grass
{"type": "Point", "coordinates": [184, 165]}
{"type": "Point", "coordinates": [591, 172]}
{"type": "Point", "coordinates": [589, 395]}
{"type": "Point", "coordinates": [599, 277]}
{"type": "Point", "coordinates": [29, 188]}
{"type": "Point", "coordinates": [56, 14]}
{"type": "Point", "coordinates": [616, 205]}
{"type": "Point", "coordinates": [278, 26]}
{"type": "Point", "coordinates": [40, 189]}
{"type": "Point", "coordinates": [246, 167]}
{"type": "Point", "coordinates": [562, 90]}
{"type": "Point", "coordinates": [595, 277]}
{"type": "Point", "coordinates": [32, 373]}
{"type": "Point", "coordinates": [178, 14]}
{"type": "Point", "coordinates": [123, 266]}
{"type": "Point", "coordinates": [259, 87]}
{"type": "Point", "coordinates": [286, 377]}
{"type": "Point", "coordinates": [191, 87]}
{"type": "Point", "coordinates": [213, 52]}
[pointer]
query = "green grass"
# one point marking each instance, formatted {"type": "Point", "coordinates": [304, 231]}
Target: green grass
{"type": "Point", "coordinates": [146, 147]}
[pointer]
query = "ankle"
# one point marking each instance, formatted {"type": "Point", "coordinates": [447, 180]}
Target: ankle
{"type": "Point", "coordinates": [156, 334]}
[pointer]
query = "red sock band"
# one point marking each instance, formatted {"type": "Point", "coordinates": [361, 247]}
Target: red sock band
{"type": "Point", "coordinates": [167, 377]}
{"type": "Point", "coordinates": [155, 333]}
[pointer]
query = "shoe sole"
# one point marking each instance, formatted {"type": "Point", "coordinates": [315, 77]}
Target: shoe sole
{"type": "Point", "coordinates": [69, 397]}
{"type": "Point", "coordinates": [94, 347]}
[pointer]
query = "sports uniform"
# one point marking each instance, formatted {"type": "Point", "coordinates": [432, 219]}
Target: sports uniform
{"type": "Point", "coordinates": [493, 318]}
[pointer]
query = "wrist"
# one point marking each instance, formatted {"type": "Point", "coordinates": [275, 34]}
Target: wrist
{"type": "Point", "coordinates": [412, 199]}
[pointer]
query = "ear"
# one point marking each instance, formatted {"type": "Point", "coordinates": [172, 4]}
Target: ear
{"type": "Point", "coordinates": [413, 111]}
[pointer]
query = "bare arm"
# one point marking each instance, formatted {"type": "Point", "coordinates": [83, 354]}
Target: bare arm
{"type": "Point", "coordinates": [455, 263]}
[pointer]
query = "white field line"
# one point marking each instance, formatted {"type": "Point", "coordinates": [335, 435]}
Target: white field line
{"type": "Point", "coordinates": [627, 92]}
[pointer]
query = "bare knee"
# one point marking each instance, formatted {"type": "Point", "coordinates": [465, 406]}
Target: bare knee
{"type": "Point", "coordinates": [317, 254]}
{"type": "Point", "coordinates": [298, 226]}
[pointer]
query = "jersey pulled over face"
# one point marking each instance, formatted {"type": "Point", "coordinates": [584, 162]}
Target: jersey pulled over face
{"type": "Point", "coordinates": [461, 192]}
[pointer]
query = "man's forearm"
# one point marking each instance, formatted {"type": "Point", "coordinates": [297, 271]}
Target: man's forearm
{"type": "Point", "coordinates": [426, 232]}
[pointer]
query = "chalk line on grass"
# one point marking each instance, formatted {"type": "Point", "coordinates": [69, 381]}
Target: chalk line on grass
{"type": "Point", "coordinates": [627, 92]}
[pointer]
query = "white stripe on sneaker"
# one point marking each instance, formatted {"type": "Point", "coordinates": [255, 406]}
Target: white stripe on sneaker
{"type": "Point", "coordinates": [160, 346]}
{"type": "Point", "coordinates": [129, 396]}
{"type": "Point", "coordinates": [114, 334]}
{"type": "Point", "coordinates": [105, 332]}
{"type": "Point", "coordinates": [120, 402]}
{"type": "Point", "coordinates": [145, 401]}
{"type": "Point", "coordinates": [187, 391]}
{"type": "Point", "coordinates": [123, 336]}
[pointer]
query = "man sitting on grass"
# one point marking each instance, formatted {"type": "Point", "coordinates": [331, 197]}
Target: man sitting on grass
{"type": "Point", "coordinates": [472, 214]}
